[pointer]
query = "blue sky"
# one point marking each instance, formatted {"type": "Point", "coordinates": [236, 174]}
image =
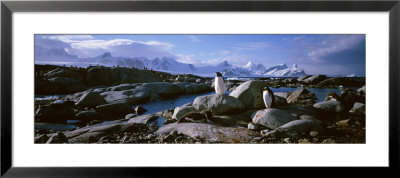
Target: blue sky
{"type": "Point", "coordinates": [327, 54]}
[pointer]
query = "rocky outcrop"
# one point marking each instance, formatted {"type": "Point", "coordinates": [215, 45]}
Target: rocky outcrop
{"type": "Point", "coordinates": [314, 79]}
{"type": "Point", "coordinates": [272, 118]}
{"type": "Point", "coordinates": [218, 104]}
{"type": "Point", "coordinates": [55, 112]}
{"type": "Point", "coordinates": [358, 109]}
{"type": "Point", "coordinates": [250, 94]}
{"type": "Point", "coordinates": [342, 81]}
{"type": "Point", "coordinates": [330, 106]}
{"type": "Point", "coordinates": [302, 96]}
{"type": "Point", "coordinates": [179, 112]}
{"type": "Point", "coordinates": [209, 132]}
{"type": "Point", "coordinates": [90, 99]}
{"type": "Point", "coordinates": [116, 109]}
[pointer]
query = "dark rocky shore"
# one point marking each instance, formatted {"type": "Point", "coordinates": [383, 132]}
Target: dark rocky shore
{"type": "Point", "coordinates": [96, 94]}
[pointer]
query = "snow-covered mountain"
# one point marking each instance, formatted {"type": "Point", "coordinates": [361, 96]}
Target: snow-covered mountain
{"type": "Point", "coordinates": [282, 70]}
{"type": "Point", "coordinates": [168, 64]}
{"type": "Point", "coordinates": [258, 69]}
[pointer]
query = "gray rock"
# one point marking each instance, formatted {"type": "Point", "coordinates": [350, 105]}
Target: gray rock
{"type": "Point", "coordinates": [358, 109]}
{"type": "Point", "coordinates": [145, 119]}
{"type": "Point", "coordinates": [218, 104]}
{"type": "Point", "coordinates": [58, 138]}
{"type": "Point", "coordinates": [140, 110]}
{"type": "Point", "coordinates": [282, 94]}
{"type": "Point", "coordinates": [198, 80]}
{"type": "Point", "coordinates": [295, 128]}
{"type": "Point", "coordinates": [344, 81]}
{"type": "Point", "coordinates": [298, 110]}
{"type": "Point", "coordinates": [64, 72]}
{"type": "Point", "coordinates": [179, 112]}
{"type": "Point", "coordinates": [279, 101]}
{"type": "Point", "coordinates": [54, 113]}
{"type": "Point", "coordinates": [90, 99]}
{"type": "Point", "coordinates": [272, 118]}
{"type": "Point", "coordinates": [118, 109]}
{"type": "Point", "coordinates": [302, 78]}
{"type": "Point", "coordinates": [131, 97]}
{"type": "Point", "coordinates": [307, 117]}
{"type": "Point", "coordinates": [302, 96]}
{"type": "Point", "coordinates": [89, 115]}
{"type": "Point", "coordinates": [330, 106]}
{"type": "Point", "coordinates": [131, 115]}
{"type": "Point", "coordinates": [349, 97]}
{"type": "Point", "coordinates": [67, 85]}
{"type": "Point", "coordinates": [315, 79]}
{"type": "Point", "coordinates": [41, 138]}
{"type": "Point", "coordinates": [332, 96]}
{"type": "Point", "coordinates": [252, 126]}
{"type": "Point", "coordinates": [210, 132]}
{"type": "Point", "coordinates": [250, 94]}
{"type": "Point", "coordinates": [362, 91]}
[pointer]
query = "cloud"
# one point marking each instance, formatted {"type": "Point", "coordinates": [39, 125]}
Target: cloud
{"type": "Point", "coordinates": [193, 39]}
{"type": "Point", "coordinates": [86, 46]}
{"type": "Point", "coordinates": [252, 46]}
{"type": "Point", "coordinates": [333, 45]}
{"type": "Point", "coordinates": [68, 38]}
{"type": "Point", "coordinates": [188, 59]}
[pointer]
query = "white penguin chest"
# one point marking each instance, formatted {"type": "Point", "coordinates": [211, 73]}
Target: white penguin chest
{"type": "Point", "coordinates": [219, 85]}
{"type": "Point", "coordinates": [267, 99]}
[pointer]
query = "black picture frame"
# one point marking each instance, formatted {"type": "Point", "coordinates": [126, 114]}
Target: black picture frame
{"type": "Point", "coordinates": [8, 7]}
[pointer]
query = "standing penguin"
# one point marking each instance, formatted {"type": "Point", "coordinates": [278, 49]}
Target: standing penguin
{"type": "Point", "coordinates": [219, 83]}
{"type": "Point", "coordinates": [268, 97]}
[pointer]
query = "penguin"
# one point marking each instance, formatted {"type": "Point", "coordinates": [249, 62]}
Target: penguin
{"type": "Point", "coordinates": [219, 83]}
{"type": "Point", "coordinates": [268, 96]}
{"type": "Point", "coordinates": [203, 116]}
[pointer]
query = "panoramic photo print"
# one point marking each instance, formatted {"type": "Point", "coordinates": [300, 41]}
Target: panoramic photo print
{"type": "Point", "coordinates": [189, 89]}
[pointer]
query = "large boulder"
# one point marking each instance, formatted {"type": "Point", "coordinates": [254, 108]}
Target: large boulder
{"type": "Point", "coordinates": [343, 81]}
{"type": "Point", "coordinates": [279, 101]}
{"type": "Point", "coordinates": [272, 118]}
{"type": "Point", "coordinates": [55, 112]}
{"type": "Point", "coordinates": [45, 87]}
{"type": "Point", "coordinates": [302, 96]}
{"type": "Point", "coordinates": [250, 94]}
{"type": "Point", "coordinates": [90, 99]}
{"type": "Point", "coordinates": [179, 112]}
{"type": "Point", "coordinates": [58, 138]}
{"type": "Point", "coordinates": [58, 85]}
{"type": "Point", "coordinates": [302, 78]}
{"type": "Point", "coordinates": [89, 115]}
{"type": "Point", "coordinates": [349, 97]}
{"type": "Point", "coordinates": [99, 75]}
{"type": "Point", "coordinates": [132, 97]}
{"type": "Point", "coordinates": [66, 72]}
{"type": "Point", "coordinates": [117, 109]}
{"type": "Point", "coordinates": [362, 91]}
{"type": "Point", "coordinates": [210, 132]}
{"type": "Point", "coordinates": [330, 106]}
{"type": "Point", "coordinates": [218, 104]}
{"type": "Point", "coordinates": [67, 85]}
{"type": "Point", "coordinates": [145, 119]}
{"type": "Point", "coordinates": [296, 128]}
{"type": "Point", "coordinates": [282, 94]}
{"type": "Point", "coordinates": [315, 79]}
{"type": "Point", "coordinates": [358, 109]}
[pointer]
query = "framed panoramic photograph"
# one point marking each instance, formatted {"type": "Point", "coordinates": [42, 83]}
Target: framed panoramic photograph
{"type": "Point", "coordinates": [103, 88]}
